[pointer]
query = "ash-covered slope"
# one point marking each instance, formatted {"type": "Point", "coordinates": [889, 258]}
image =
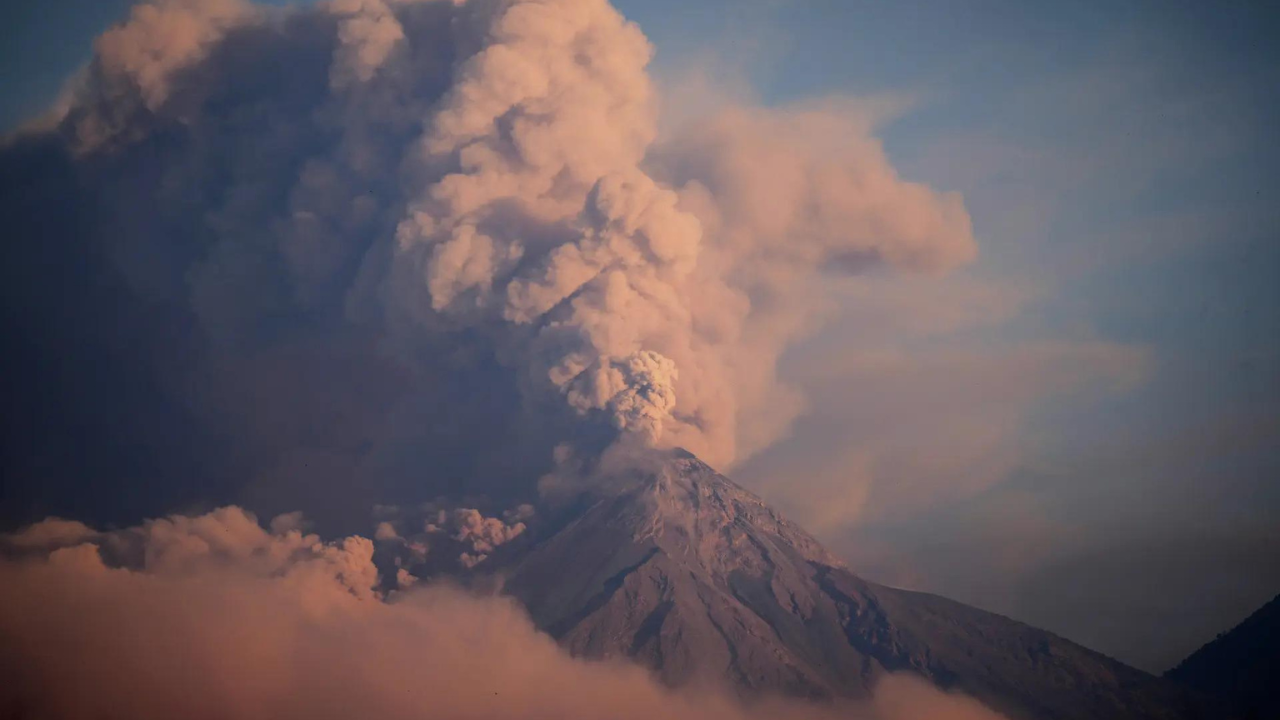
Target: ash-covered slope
{"type": "Point", "coordinates": [1239, 668]}
{"type": "Point", "coordinates": [685, 572]}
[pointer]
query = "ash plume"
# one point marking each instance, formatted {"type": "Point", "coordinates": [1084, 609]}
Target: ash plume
{"type": "Point", "coordinates": [464, 536]}
{"type": "Point", "coordinates": [359, 238]}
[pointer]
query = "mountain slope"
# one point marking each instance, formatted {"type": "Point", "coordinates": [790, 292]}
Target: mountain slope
{"type": "Point", "coordinates": [1240, 667]}
{"type": "Point", "coordinates": [687, 573]}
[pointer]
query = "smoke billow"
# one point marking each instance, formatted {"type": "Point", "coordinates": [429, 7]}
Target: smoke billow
{"type": "Point", "coordinates": [354, 240]}
{"type": "Point", "coordinates": [433, 537]}
{"type": "Point", "coordinates": [214, 616]}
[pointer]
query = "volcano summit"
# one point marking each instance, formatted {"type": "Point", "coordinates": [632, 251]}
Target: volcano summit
{"type": "Point", "coordinates": [683, 571]}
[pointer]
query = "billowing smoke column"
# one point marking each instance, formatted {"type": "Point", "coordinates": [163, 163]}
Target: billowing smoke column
{"type": "Point", "coordinates": [547, 219]}
{"type": "Point", "coordinates": [551, 220]}
{"type": "Point", "coordinates": [424, 189]}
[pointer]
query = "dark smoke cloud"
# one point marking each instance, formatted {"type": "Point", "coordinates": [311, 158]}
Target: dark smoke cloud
{"type": "Point", "coordinates": [386, 250]}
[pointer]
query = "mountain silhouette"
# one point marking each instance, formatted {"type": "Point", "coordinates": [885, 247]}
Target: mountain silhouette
{"type": "Point", "coordinates": [1239, 668]}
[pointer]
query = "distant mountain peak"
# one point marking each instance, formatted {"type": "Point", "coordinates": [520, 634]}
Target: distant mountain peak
{"type": "Point", "coordinates": [1239, 667]}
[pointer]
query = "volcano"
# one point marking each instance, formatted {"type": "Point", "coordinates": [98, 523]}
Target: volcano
{"type": "Point", "coordinates": [684, 572]}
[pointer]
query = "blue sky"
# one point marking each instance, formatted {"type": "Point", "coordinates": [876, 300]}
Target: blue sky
{"type": "Point", "coordinates": [1121, 168]}
{"type": "Point", "coordinates": [1117, 341]}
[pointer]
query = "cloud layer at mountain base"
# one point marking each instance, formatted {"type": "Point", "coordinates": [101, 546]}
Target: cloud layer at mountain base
{"type": "Point", "coordinates": [319, 249]}
{"type": "Point", "coordinates": [215, 617]}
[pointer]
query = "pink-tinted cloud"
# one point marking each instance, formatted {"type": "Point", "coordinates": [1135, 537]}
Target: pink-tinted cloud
{"type": "Point", "coordinates": [215, 617]}
{"type": "Point", "coordinates": [650, 285]}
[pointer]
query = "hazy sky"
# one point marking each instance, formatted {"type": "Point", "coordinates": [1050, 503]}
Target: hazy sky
{"type": "Point", "coordinates": [1079, 429]}
{"type": "Point", "coordinates": [1085, 438]}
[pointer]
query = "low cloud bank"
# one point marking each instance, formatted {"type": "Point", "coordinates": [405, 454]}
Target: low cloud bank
{"type": "Point", "coordinates": [217, 617]}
